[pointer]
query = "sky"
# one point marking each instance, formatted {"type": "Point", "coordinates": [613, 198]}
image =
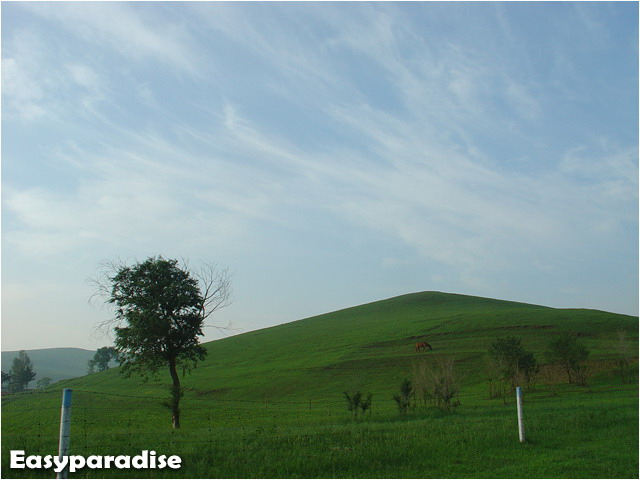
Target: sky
{"type": "Point", "coordinates": [328, 154]}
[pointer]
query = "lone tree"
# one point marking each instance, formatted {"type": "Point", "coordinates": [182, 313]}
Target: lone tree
{"type": "Point", "coordinates": [21, 372]}
{"type": "Point", "coordinates": [44, 382]}
{"type": "Point", "coordinates": [160, 310]}
{"type": "Point", "coordinates": [102, 358]}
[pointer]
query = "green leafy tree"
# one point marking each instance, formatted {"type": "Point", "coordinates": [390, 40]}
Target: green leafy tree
{"type": "Point", "coordinates": [44, 382]}
{"type": "Point", "coordinates": [160, 310]}
{"type": "Point", "coordinates": [528, 367]}
{"type": "Point", "coordinates": [567, 351]}
{"type": "Point", "coordinates": [512, 362]}
{"type": "Point", "coordinates": [102, 358]}
{"type": "Point", "coordinates": [21, 372]}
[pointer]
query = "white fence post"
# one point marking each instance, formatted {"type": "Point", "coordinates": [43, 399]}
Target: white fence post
{"type": "Point", "coordinates": [65, 424]}
{"type": "Point", "coordinates": [520, 421]}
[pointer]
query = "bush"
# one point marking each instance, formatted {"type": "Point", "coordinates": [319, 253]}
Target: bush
{"type": "Point", "coordinates": [624, 356]}
{"type": "Point", "coordinates": [404, 400]}
{"type": "Point", "coordinates": [435, 382]}
{"type": "Point", "coordinates": [565, 350]}
{"type": "Point", "coordinates": [366, 404]}
{"type": "Point", "coordinates": [511, 362]}
{"type": "Point", "coordinates": [498, 386]}
{"type": "Point", "coordinates": [420, 380]}
{"type": "Point", "coordinates": [442, 384]}
{"type": "Point", "coordinates": [355, 402]}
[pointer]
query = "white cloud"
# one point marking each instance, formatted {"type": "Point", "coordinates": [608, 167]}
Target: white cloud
{"type": "Point", "coordinates": [35, 85]}
{"type": "Point", "coordinates": [136, 32]}
{"type": "Point", "coordinates": [442, 197]}
{"type": "Point", "coordinates": [602, 161]}
{"type": "Point", "coordinates": [145, 191]}
{"type": "Point", "coordinates": [22, 87]}
{"type": "Point", "coordinates": [313, 127]}
{"type": "Point", "coordinates": [87, 78]}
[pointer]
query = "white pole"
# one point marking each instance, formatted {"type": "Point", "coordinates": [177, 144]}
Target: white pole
{"type": "Point", "coordinates": [520, 422]}
{"type": "Point", "coordinates": [65, 424]}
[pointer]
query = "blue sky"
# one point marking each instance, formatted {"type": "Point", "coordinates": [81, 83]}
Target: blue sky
{"type": "Point", "coordinates": [328, 154]}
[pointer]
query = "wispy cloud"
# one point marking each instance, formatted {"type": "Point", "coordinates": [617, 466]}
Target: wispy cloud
{"type": "Point", "coordinates": [448, 141]}
{"type": "Point", "coordinates": [412, 180]}
{"type": "Point", "coordinates": [22, 87]}
{"type": "Point", "coordinates": [136, 32]}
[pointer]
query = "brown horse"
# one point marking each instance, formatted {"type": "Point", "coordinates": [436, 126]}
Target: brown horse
{"type": "Point", "coordinates": [422, 346]}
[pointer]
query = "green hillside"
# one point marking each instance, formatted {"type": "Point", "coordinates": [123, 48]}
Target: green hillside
{"type": "Point", "coordinates": [276, 395]}
{"type": "Point", "coordinates": [372, 345]}
{"type": "Point", "coordinates": [55, 363]}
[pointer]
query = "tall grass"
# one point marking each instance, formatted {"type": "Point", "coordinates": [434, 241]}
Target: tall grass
{"type": "Point", "coordinates": [573, 435]}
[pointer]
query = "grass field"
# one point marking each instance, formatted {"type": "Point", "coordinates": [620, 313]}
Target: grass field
{"type": "Point", "coordinates": [268, 404]}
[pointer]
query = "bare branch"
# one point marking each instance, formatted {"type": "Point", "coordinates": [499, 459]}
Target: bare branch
{"type": "Point", "coordinates": [225, 330]}
{"type": "Point", "coordinates": [215, 283]}
{"type": "Point", "coordinates": [102, 284]}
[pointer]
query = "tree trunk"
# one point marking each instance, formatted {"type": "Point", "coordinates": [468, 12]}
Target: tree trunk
{"type": "Point", "coordinates": [176, 393]}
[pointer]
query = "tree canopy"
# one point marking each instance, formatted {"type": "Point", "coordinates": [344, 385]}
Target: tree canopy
{"type": "Point", "coordinates": [44, 382]}
{"type": "Point", "coordinates": [512, 360]}
{"type": "Point", "coordinates": [160, 309]}
{"type": "Point", "coordinates": [21, 372]}
{"type": "Point", "coordinates": [102, 358]}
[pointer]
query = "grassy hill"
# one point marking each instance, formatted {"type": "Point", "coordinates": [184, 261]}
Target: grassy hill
{"type": "Point", "coordinates": [373, 345]}
{"type": "Point", "coordinates": [55, 363]}
{"type": "Point", "coordinates": [269, 403]}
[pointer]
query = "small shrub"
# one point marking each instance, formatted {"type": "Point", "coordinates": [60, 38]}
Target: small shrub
{"type": "Point", "coordinates": [353, 402]}
{"type": "Point", "coordinates": [421, 382]}
{"type": "Point", "coordinates": [567, 351]}
{"type": "Point", "coordinates": [366, 404]}
{"type": "Point", "coordinates": [582, 374]}
{"type": "Point", "coordinates": [498, 386]}
{"type": "Point", "coordinates": [434, 381]}
{"type": "Point", "coordinates": [404, 400]}
{"type": "Point", "coordinates": [624, 357]}
{"type": "Point", "coordinates": [511, 362]}
{"type": "Point", "coordinates": [356, 402]}
{"type": "Point", "coordinates": [442, 384]}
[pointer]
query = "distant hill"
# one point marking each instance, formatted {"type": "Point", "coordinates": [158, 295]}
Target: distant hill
{"type": "Point", "coordinates": [55, 363]}
{"type": "Point", "coordinates": [370, 346]}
